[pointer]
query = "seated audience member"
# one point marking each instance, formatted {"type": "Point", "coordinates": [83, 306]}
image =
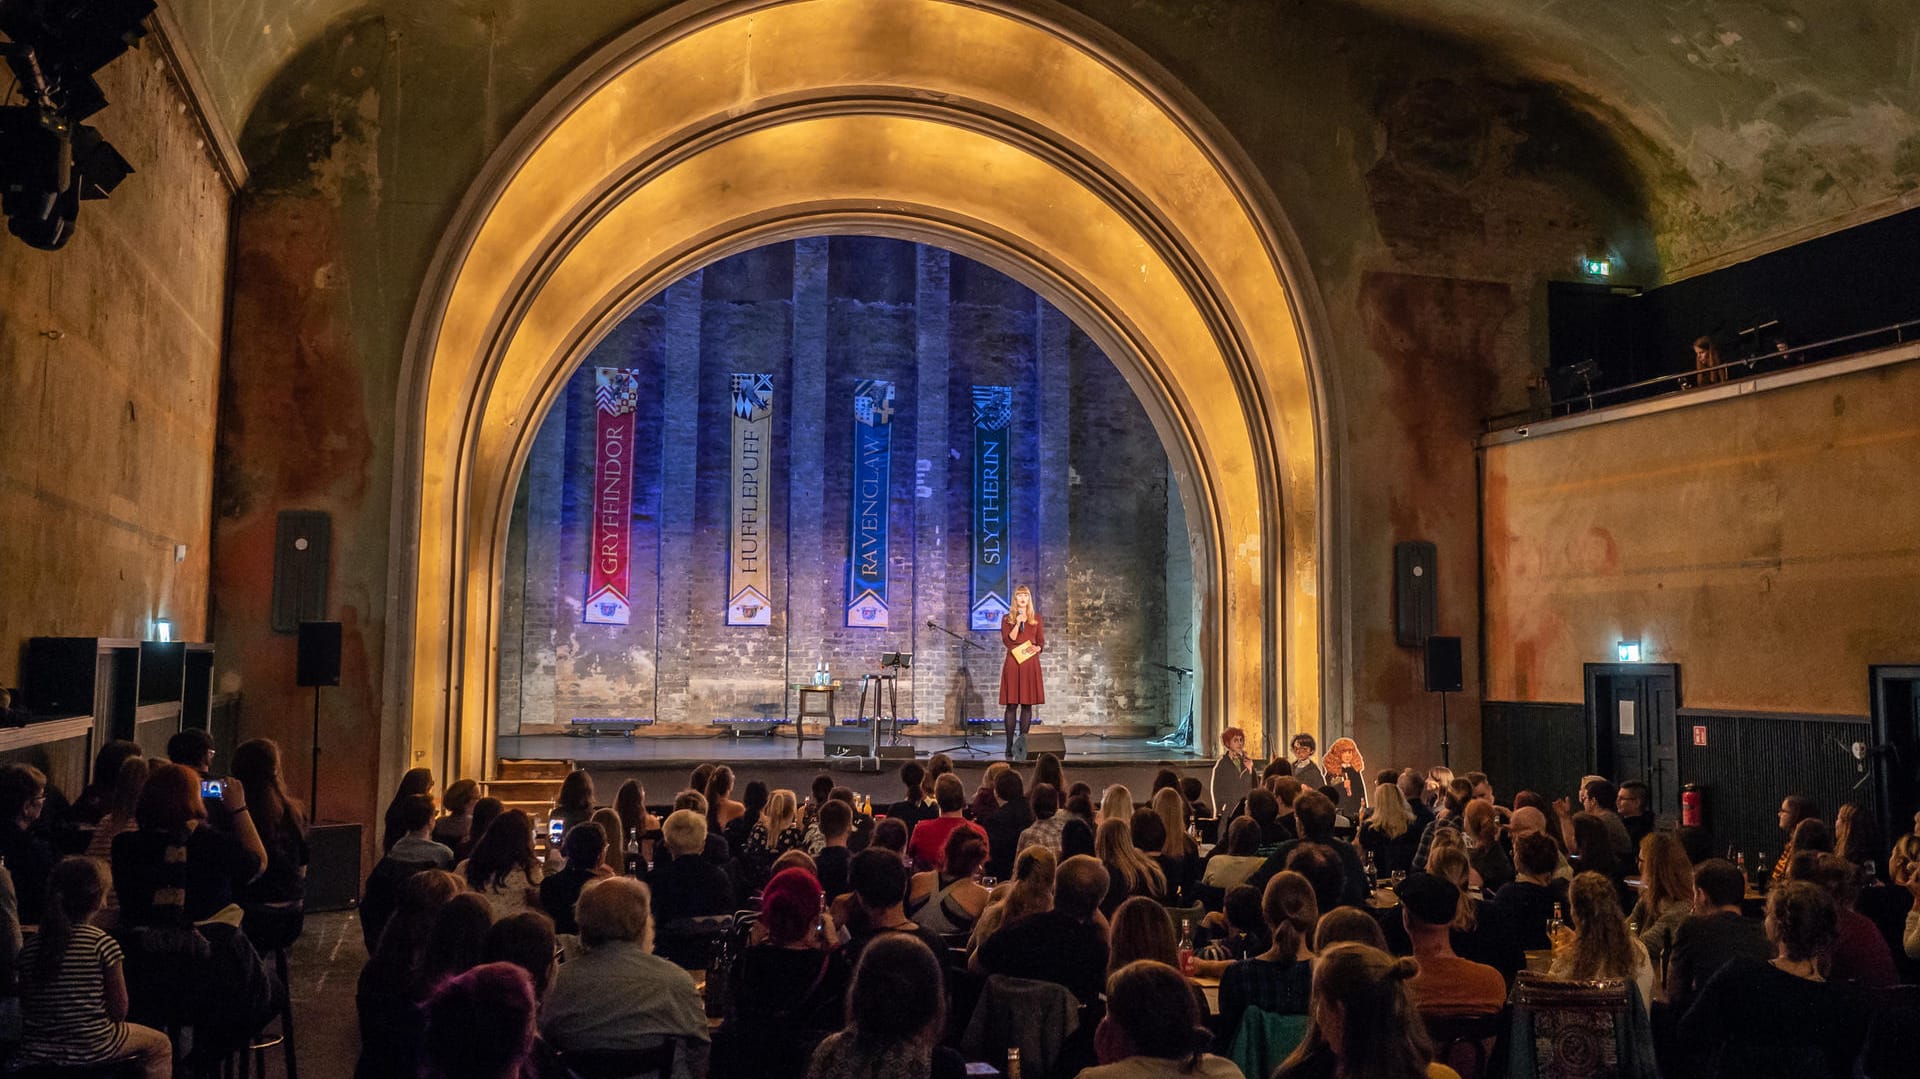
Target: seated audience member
{"type": "Point", "coordinates": [1531, 897]}
{"type": "Point", "coordinates": [1363, 1024]}
{"type": "Point", "coordinates": [1148, 833]}
{"type": "Point", "coordinates": [611, 826]}
{"type": "Point", "coordinates": [1141, 929]}
{"type": "Point", "coordinates": [787, 982]}
{"type": "Point", "coordinates": [1860, 954]}
{"type": "Point", "coordinates": [452, 829]}
{"type": "Point", "coordinates": [1242, 932]}
{"type": "Point", "coordinates": [878, 884]}
{"type": "Point", "coordinates": [1903, 862]}
{"type": "Point", "coordinates": [1666, 894]}
{"type": "Point", "coordinates": [416, 843]}
{"type": "Point", "coordinates": [916, 806]}
{"type": "Point", "coordinates": [637, 826]}
{"type": "Point", "coordinates": [1153, 1029]}
{"type": "Point", "coordinates": [1453, 797]}
{"type": "Point", "coordinates": [1633, 803]}
{"type": "Point", "coordinates": [1031, 893]}
{"type": "Point", "coordinates": [415, 781]}
{"type": "Point", "coordinates": [986, 797]}
{"type": "Point", "coordinates": [458, 940]}
{"type": "Point", "coordinates": [1277, 980]}
{"type": "Point", "coordinates": [175, 871]}
{"type": "Point", "coordinates": [574, 805]}
{"type": "Point", "coordinates": [485, 812]}
{"type": "Point", "coordinates": [1046, 769]}
{"type": "Point", "coordinates": [96, 798]}
{"type": "Point", "coordinates": [274, 901]}
{"type": "Point", "coordinates": [1446, 984]}
{"type": "Point", "coordinates": [1756, 1019]}
{"type": "Point", "coordinates": [386, 1000]}
{"type": "Point", "coordinates": [948, 901]}
{"type": "Point", "coordinates": [1194, 792]}
{"type": "Point", "coordinates": [1235, 859]}
{"type": "Point", "coordinates": [833, 857]}
{"type": "Point", "coordinates": [1794, 809]}
{"type": "Point", "coordinates": [23, 844]}
{"type": "Point", "coordinates": [1854, 840]}
{"type": "Point", "coordinates": [1179, 856]}
{"type": "Point", "coordinates": [1318, 863]}
{"type": "Point", "coordinates": [796, 859]}
{"type": "Point", "coordinates": [1313, 813]}
{"type": "Point", "coordinates": [896, 1010]}
{"type": "Point", "coordinates": [73, 987]}
{"type": "Point", "coordinates": [1483, 932]}
{"type": "Point", "coordinates": [928, 842]}
{"type": "Point", "coordinates": [1064, 945]}
{"type": "Point", "coordinates": [502, 868]}
{"type": "Point", "coordinates": [754, 799]}
{"type": "Point", "coordinates": [1282, 826]}
{"type": "Point", "coordinates": [1129, 872]}
{"type": "Point", "coordinates": [888, 835]}
{"type": "Point", "coordinates": [718, 850]}
{"type": "Point", "coordinates": [586, 850]}
{"type": "Point", "coordinates": [193, 748]}
{"type": "Point", "coordinates": [1076, 838]}
{"type": "Point", "coordinates": [1600, 946]}
{"type": "Point", "coordinates": [1011, 817]}
{"type": "Point", "coordinates": [1598, 798]}
{"type": "Point", "coordinates": [723, 810]}
{"type": "Point", "coordinates": [526, 940]}
{"type": "Point", "coordinates": [1413, 791]}
{"type": "Point", "coordinates": [685, 884]}
{"type": "Point", "coordinates": [1716, 933]}
{"type": "Point", "coordinates": [480, 1025]}
{"type": "Point", "coordinates": [616, 995]}
{"type": "Point", "coordinates": [1348, 925]}
{"type": "Point", "coordinates": [1488, 852]}
{"type": "Point", "coordinates": [1388, 835]}
{"type": "Point", "coordinates": [1047, 820]}
{"type": "Point", "coordinates": [122, 799]}
{"type": "Point", "coordinates": [1532, 820]}
{"type": "Point", "coordinates": [1116, 803]}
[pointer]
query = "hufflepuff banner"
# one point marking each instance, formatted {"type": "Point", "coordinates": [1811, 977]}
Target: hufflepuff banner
{"type": "Point", "coordinates": [751, 542]}
{"type": "Point", "coordinates": [616, 394]}
{"type": "Point", "coordinates": [992, 486]}
{"type": "Point", "coordinates": [867, 548]}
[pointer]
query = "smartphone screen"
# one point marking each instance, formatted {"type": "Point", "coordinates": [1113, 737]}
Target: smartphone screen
{"type": "Point", "coordinates": [211, 788]}
{"type": "Point", "coordinates": [555, 828]}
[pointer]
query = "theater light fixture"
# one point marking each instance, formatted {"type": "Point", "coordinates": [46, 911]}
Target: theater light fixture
{"type": "Point", "coordinates": [1628, 651]}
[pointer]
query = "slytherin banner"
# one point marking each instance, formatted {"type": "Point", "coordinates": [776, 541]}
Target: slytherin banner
{"type": "Point", "coordinates": [616, 393]}
{"type": "Point", "coordinates": [867, 550]}
{"type": "Point", "coordinates": [992, 484]}
{"type": "Point", "coordinates": [750, 544]}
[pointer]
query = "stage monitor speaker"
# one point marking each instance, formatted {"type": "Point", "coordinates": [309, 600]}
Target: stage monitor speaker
{"type": "Point", "coordinates": [333, 866]}
{"type": "Point", "coordinates": [1443, 665]}
{"type": "Point", "coordinates": [302, 542]}
{"type": "Point", "coordinates": [319, 659]}
{"type": "Point", "coordinates": [1039, 742]}
{"type": "Point", "coordinates": [842, 741]}
{"type": "Point", "coordinates": [1415, 592]}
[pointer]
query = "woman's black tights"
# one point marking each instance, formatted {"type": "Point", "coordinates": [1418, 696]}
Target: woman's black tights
{"type": "Point", "coordinates": [1025, 714]}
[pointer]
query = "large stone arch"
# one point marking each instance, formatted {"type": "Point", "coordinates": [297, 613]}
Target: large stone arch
{"type": "Point", "coordinates": [1022, 139]}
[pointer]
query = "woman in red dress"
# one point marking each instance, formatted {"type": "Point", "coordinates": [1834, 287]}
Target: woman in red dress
{"type": "Point", "coordinates": [1020, 688]}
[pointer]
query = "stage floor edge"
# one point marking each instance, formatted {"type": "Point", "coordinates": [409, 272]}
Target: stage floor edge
{"type": "Point", "coordinates": [687, 750]}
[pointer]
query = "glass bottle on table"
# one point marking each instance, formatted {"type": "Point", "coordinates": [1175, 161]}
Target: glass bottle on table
{"type": "Point", "coordinates": [1557, 928]}
{"type": "Point", "coordinates": [1013, 1063]}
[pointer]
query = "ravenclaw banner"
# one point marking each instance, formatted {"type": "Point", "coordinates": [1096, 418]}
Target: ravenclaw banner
{"type": "Point", "coordinates": [867, 549]}
{"type": "Point", "coordinates": [992, 486]}
{"type": "Point", "coordinates": [751, 543]}
{"type": "Point", "coordinates": [616, 393]}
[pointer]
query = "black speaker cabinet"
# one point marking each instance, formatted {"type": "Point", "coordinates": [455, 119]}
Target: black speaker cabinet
{"type": "Point", "coordinates": [842, 741]}
{"type": "Point", "coordinates": [1443, 665]}
{"type": "Point", "coordinates": [1039, 742]}
{"type": "Point", "coordinates": [303, 540]}
{"type": "Point", "coordinates": [319, 660]}
{"type": "Point", "coordinates": [1415, 594]}
{"type": "Point", "coordinates": [333, 866]}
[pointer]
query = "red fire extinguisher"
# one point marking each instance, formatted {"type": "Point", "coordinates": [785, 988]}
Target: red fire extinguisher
{"type": "Point", "coordinates": [1693, 806]}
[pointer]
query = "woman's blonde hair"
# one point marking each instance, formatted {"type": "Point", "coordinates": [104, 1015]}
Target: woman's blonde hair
{"type": "Point", "coordinates": [1116, 803]}
{"type": "Point", "coordinates": [615, 909]}
{"type": "Point", "coordinates": [1602, 945]}
{"type": "Point", "coordinates": [1449, 862]}
{"type": "Point", "coordinates": [1141, 929]}
{"type": "Point", "coordinates": [1290, 909]}
{"type": "Point", "coordinates": [1391, 814]}
{"type": "Point", "coordinates": [1031, 892]}
{"type": "Point", "coordinates": [1666, 873]}
{"type": "Point", "coordinates": [1113, 845]}
{"type": "Point", "coordinates": [782, 809]}
{"type": "Point", "coordinates": [1171, 807]}
{"type": "Point", "coordinates": [1381, 1033]}
{"type": "Point", "coordinates": [1032, 607]}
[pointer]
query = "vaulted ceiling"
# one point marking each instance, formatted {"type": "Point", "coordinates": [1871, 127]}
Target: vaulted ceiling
{"type": "Point", "coordinates": [1804, 110]}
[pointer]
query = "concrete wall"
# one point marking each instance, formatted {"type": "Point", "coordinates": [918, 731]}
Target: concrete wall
{"type": "Point", "coordinates": [1089, 497]}
{"type": "Point", "coordinates": [1764, 543]}
{"type": "Point", "coordinates": [109, 378]}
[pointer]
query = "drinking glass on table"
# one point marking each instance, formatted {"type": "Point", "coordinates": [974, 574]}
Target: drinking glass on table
{"type": "Point", "coordinates": [1397, 878]}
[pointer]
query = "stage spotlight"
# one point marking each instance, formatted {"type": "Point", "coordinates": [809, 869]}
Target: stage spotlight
{"type": "Point", "coordinates": [72, 40]}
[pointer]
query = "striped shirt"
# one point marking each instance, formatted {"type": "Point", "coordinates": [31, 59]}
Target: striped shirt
{"type": "Point", "coordinates": [64, 1018]}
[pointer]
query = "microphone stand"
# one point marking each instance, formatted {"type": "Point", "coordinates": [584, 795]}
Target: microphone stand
{"type": "Point", "coordinates": [1182, 736]}
{"type": "Point", "coordinates": [966, 683]}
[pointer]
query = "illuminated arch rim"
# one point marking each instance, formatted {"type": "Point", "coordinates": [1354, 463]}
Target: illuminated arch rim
{"type": "Point", "coordinates": [984, 127]}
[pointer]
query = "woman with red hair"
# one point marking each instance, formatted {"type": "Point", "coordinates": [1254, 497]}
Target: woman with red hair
{"type": "Point", "coordinates": [786, 990]}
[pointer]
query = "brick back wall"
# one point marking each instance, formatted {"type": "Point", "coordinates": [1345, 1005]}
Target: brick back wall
{"type": "Point", "coordinates": [1090, 500]}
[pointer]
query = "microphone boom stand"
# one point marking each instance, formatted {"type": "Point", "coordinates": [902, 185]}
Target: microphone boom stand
{"type": "Point", "coordinates": [966, 682]}
{"type": "Point", "coordinates": [1182, 736]}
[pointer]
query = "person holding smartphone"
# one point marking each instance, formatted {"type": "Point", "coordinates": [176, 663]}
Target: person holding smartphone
{"type": "Point", "coordinates": [194, 749]}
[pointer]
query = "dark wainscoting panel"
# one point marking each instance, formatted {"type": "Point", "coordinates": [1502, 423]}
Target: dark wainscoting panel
{"type": "Point", "coordinates": [1533, 746]}
{"type": "Point", "coordinates": [1752, 759]}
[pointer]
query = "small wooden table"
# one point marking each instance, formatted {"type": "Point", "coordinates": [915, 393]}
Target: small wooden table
{"type": "Point", "coordinates": [816, 702]}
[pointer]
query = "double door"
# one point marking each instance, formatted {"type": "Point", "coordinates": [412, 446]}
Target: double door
{"type": "Point", "coordinates": [1632, 719]}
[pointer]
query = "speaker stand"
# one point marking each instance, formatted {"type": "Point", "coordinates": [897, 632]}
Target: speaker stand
{"type": "Point", "coordinates": [1446, 757]}
{"type": "Point", "coordinates": [313, 779]}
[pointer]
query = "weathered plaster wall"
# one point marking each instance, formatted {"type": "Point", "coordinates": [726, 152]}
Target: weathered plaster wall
{"type": "Point", "coordinates": [1088, 497]}
{"type": "Point", "coordinates": [109, 369]}
{"type": "Point", "coordinates": [1764, 543]}
{"type": "Point", "coordinates": [1434, 192]}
